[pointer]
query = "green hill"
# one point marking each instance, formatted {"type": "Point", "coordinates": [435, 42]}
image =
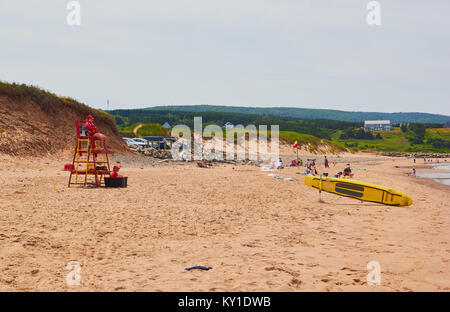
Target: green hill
{"type": "Point", "coordinates": [150, 129]}
{"type": "Point", "coordinates": [343, 134]}
{"type": "Point", "coordinates": [322, 128]}
{"type": "Point", "coordinates": [397, 141]}
{"type": "Point", "coordinates": [309, 113]}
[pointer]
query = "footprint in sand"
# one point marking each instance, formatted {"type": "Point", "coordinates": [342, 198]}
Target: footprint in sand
{"type": "Point", "coordinates": [295, 283]}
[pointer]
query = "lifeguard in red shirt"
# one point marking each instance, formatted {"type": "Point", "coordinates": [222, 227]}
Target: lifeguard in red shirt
{"type": "Point", "coordinates": [93, 133]}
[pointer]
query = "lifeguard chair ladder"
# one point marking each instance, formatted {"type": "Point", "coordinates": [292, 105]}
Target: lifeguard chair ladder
{"type": "Point", "coordinates": [87, 160]}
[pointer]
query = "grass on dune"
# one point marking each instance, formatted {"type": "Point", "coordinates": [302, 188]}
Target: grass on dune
{"type": "Point", "coordinates": [313, 142]}
{"type": "Point", "coordinates": [50, 102]}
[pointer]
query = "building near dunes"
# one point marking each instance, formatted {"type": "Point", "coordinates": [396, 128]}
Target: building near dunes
{"type": "Point", "coordinates": [377, 125]}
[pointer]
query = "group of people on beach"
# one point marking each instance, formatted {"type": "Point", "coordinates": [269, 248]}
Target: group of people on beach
{"type": "Point", "coordinates": [311, 167]}
{"type": "Point", "coordinates": [430, 160]}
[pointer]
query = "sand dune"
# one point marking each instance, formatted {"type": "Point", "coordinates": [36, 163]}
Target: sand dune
{"type": "Point", "coordinates": [258, 233]}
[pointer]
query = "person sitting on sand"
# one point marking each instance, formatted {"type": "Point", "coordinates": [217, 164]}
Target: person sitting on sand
{"type": "Point", "coordinates": [293, 163]}
{"type": "Point", "coordinates": [308, 168]}
{"type": "Point", "coordinates": [348, 171]}
{"type": "Point", "coordinates": [93, 133]}
{"type": "Point", "coordinates": [280, 164]}
{"type": "Point", "coordinates": [115, 173]}
{"type": "Point", "coordinates": [338, 175]}
{"type": "Point", "coordinates": [201, 164]}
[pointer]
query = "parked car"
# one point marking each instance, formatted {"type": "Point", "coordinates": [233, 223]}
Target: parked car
{"type": "Point", "coordinates": [127, 140]}
{"type": "Point", "coordinates": [141, 141]}
{"type": "Point", "coordinates": [159, 142]}
{"type": "Point", "coordinates": [134, 142]}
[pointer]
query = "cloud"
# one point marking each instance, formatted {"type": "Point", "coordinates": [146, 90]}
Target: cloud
{"type": "Point", "coordinates": [252, 52]}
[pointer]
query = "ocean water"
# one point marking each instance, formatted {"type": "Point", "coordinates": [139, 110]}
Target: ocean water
{"type": "Point", "coordinates": [444, 166]}
{"type": "Point", "coordinates": [441, 174]}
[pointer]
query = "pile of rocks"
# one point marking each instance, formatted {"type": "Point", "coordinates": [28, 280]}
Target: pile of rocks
{"type": "Point", "coordinates": [394, 154]}
{"type": "Point", "coordinates": [152, 152]}
{"type": "Point", "coordinates": [430, 155]}
{"type": "Point", "coordinates": [167, 154]}
{"type": "Point", "coordinates": [416, 155]}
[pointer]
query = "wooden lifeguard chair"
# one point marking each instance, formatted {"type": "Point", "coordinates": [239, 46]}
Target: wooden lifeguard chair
{"type": "Point", "coordinates": [90, 163]}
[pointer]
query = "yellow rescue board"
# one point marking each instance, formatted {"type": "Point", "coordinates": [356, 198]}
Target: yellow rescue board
{"type": "Point", "coordinates": [360, 190]}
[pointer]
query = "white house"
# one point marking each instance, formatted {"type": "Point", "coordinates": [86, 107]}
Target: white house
{"type": "Point", "coordinates": [228, 125]}
{"type": "Point", "coordinates": [377, 125]}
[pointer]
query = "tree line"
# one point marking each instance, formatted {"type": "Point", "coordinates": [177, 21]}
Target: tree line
{"type": "Point", "coordinates": [321, 128]}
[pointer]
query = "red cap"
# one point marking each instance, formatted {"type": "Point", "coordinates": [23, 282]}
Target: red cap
{"type": "Point", "coordinates": [90, 117]}
{"type": "Point", "coordinates": [116, 167]}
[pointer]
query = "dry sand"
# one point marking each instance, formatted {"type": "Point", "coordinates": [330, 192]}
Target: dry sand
{"type": "Point", "coordinates": [258, 233]}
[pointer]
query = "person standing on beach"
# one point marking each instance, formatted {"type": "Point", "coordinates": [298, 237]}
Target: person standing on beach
{"type": "Point", "coordinates": [326, 162]}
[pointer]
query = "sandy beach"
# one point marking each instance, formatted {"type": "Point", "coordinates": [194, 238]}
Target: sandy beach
{"type": "Point", "coordinates": [257, 233]}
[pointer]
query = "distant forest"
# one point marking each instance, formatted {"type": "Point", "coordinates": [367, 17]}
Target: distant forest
{"type": "Point", "coordinates": [309, 113]}
{"type": "Point", "coordinates": [321, 128]}
{"type": "Point", "coordinates": [406, 137]}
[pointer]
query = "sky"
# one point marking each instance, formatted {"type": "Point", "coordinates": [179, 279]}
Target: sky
{"type": "Point", "coordinates": [258, 53]}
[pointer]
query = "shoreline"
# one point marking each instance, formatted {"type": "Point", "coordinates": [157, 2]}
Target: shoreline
{"type": "Point", "coordinates": [429, 169]}
{"type": "Point", "coordinates": [437, 175]}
